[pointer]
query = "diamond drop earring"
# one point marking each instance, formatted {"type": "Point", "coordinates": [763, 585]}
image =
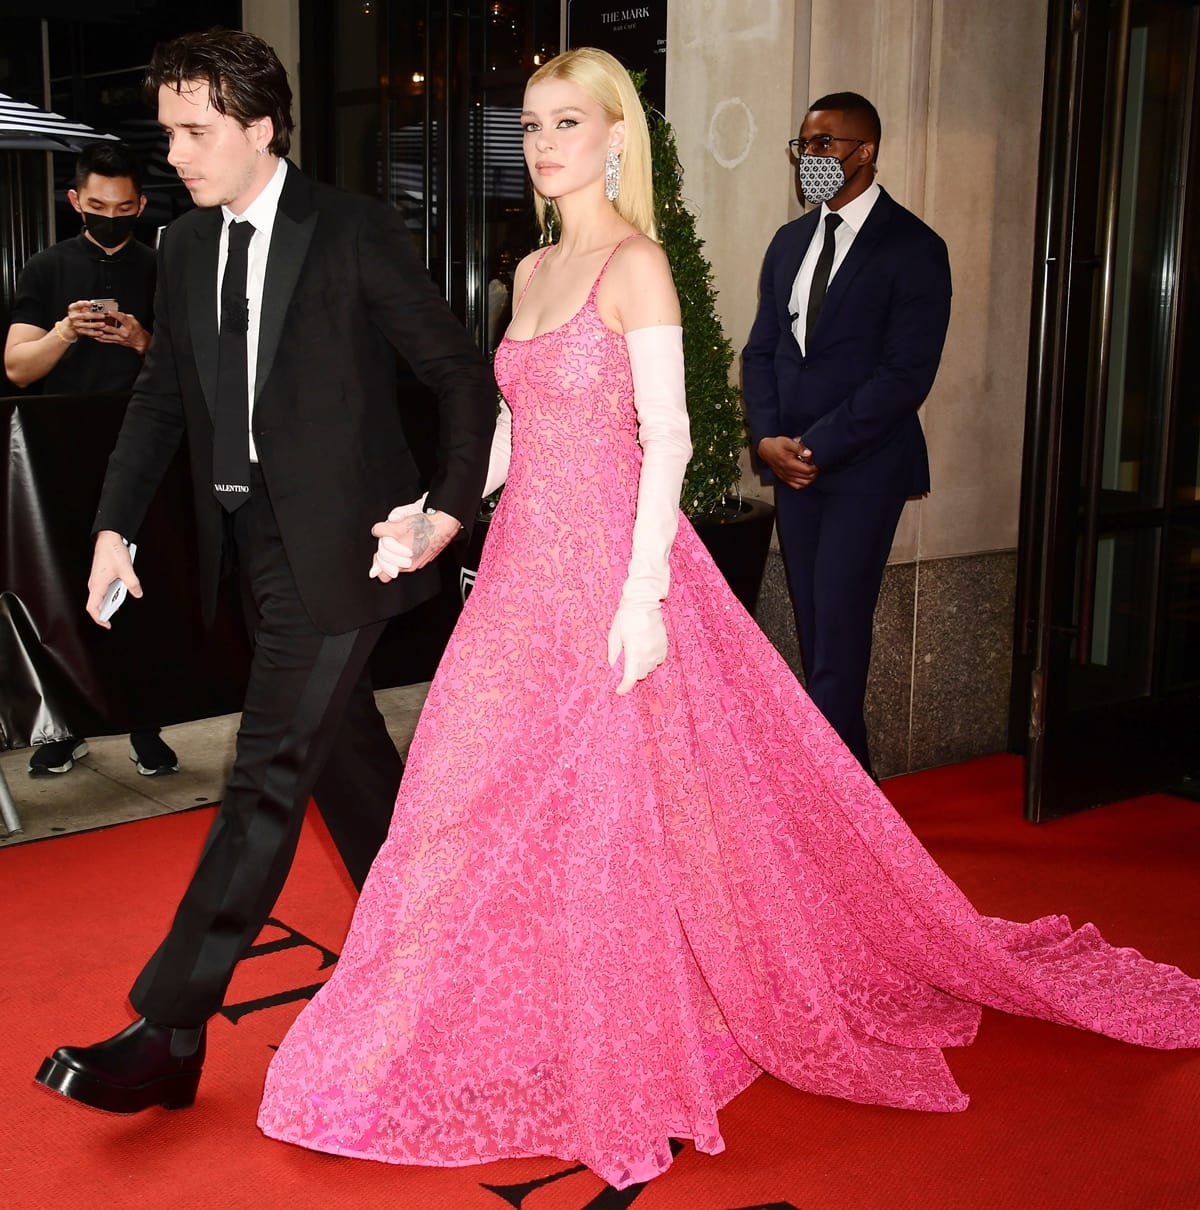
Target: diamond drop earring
{"type": "Point", "coordinates": [612, 175]}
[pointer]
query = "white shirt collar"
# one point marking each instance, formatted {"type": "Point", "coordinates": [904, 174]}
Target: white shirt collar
{"type": "Point", "coordinates": [261, 211]}
{"type": "Point", "coordinates": [854, 213]}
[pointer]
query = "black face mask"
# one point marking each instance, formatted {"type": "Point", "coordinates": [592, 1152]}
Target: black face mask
{"type": "Point", "coordinates": [109, 232]}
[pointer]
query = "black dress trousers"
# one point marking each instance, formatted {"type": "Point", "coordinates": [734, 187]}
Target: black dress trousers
{"type": "Point", "coordinates": [309, 726]}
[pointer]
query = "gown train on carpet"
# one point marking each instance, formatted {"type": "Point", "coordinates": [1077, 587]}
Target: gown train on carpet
{"type": "Point", "coordinates": [598, 918]}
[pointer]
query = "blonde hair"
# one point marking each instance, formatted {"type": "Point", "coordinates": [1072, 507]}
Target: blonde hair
{"type": "Point", "coordinates": [608, 84]}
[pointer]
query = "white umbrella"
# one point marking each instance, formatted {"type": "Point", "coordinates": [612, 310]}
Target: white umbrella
{"type": "Point", "coordinates": [26, 127]}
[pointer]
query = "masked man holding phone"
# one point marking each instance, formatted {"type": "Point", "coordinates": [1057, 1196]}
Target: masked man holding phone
{"type": "Point", "coordinates": [81, 317]}
{"type": "Point", "coordinates": [80, 326]}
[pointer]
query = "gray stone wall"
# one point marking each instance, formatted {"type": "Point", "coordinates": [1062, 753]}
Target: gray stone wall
{"type": "Point", "coordinates": [941, 663]}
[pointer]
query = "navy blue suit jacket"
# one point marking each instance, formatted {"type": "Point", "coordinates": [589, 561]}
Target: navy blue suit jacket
{"type": "Point", "coordinates": [872, 354]}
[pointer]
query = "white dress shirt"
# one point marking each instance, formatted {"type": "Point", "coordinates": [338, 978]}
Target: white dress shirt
{"type": "Point", "coordinates": [853, 215]}
{"type": "Point", "coordinates": [261, 214]}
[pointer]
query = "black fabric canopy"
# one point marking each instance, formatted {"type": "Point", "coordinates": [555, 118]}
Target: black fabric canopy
{"type": "Point", "coordinates": [26, 127]}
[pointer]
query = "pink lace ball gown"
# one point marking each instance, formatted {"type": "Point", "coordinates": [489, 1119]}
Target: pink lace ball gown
{"type": "Point", "coordinates": [598, 918]}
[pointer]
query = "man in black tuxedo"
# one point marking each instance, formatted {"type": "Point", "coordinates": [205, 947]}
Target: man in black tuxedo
{"type": "Point", "coordinates": [853, 308]}
{"type": "Point", "coordinates": [280, 309]}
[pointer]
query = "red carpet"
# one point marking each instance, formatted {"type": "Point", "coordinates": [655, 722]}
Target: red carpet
{"type": "Point", "coordinates": [1058, 1118]}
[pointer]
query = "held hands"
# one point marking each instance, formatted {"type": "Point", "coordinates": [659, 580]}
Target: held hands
{"type": "Point", "coordinates": [789, 459]}
{"type": "Point", "coordinates": [110, 561]}
{"type": "Point", "coordinates": [409, 539]}
{"type": "Point", "coordinates": [638, 631]}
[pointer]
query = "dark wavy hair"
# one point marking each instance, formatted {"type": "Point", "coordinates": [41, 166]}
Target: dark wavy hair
{"type": "Point", "coordinates": [244, 76]}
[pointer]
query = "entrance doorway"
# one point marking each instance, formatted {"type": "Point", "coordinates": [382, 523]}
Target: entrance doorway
{"type": "Point", "coordinates": [1106, 684]}
{"type": "Point", "coordinates": [418, 103]}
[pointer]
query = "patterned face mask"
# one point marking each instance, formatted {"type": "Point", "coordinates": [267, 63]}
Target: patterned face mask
{"type": "Point", "coordinates": [821, 177]}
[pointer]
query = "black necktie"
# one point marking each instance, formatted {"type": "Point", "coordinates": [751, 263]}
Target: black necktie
{"type": "Point", "coordinates": [820, 281]}
{"type": "Point", "coordinates": [231, 419]}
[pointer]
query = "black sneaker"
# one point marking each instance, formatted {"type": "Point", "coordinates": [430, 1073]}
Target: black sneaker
{"type": "Point", "coordinates": [151, 755]}
{"type": "Point", "coordinates": [57, 757]}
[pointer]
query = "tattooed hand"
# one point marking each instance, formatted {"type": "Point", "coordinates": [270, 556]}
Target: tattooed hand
{"type": "Point", "coordinates": [409, 539]}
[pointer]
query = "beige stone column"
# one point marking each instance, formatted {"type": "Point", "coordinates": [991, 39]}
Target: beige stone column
{"type": "Point", "coordinates": [277, 22]}
{"type": "Point", "coordinates": [958, 87]}
{"type": "Point", "coordinates": [986, 65]}
{"type": "Point", "coordinates": [731, 68]}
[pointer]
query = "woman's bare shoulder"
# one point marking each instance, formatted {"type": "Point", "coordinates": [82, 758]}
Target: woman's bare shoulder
{"type": "Point", "coordinates": [524, 269]}
{"type": "Point", "coordinates": [641, 254]}
{"type": "Point", "coordinates": [641, 290]}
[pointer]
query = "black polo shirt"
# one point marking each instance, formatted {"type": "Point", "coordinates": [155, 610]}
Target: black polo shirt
{"type": "Point", "coordinates": [74, 269]}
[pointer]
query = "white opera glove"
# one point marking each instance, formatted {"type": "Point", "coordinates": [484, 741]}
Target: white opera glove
{"type": "Point", "coordinates": [390, 556]}
{"type": "Point", "coordinates": [638, 630]}
{"type": "Point", "coordinates": [501, 455]}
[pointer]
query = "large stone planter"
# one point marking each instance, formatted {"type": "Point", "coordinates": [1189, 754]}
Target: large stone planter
{"type": "Point", "coordinates": [739, 537]}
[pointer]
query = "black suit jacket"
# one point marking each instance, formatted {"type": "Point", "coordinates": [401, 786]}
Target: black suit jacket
{"type": "Point", "coordinates": [344, 293]}
{"type": "Point", "coordinates": [871, 358]}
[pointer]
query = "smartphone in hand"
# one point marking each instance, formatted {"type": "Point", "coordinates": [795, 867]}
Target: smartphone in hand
{"type": "Point", "coordinates": [106, 309]}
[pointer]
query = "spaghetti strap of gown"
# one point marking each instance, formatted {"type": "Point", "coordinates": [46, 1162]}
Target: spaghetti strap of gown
{"type": "Point", "coordinates": [597, 918]}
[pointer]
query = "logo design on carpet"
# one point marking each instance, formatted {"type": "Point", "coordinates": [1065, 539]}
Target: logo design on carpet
{"type": "Point", "coordinates": [609, 1199]}
{"type": "Point", "coordinates": [292, 939]}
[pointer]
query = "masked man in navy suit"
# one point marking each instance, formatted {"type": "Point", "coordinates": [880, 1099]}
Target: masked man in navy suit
{"type": "Point", "coordinates": [853, 308]}
{"type": "Point", "coordinates": [280, 310]}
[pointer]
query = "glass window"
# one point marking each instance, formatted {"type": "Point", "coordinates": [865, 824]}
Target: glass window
{"type": "Point", "coordinates": [420, 106]}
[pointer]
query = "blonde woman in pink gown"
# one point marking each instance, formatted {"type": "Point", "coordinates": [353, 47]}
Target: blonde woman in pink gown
{"type": "Point", "coordinates": [625, 874]}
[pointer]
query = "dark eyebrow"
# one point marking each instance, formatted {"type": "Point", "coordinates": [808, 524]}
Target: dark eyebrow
{"type": "Point", "coordinates": [528, 113]}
